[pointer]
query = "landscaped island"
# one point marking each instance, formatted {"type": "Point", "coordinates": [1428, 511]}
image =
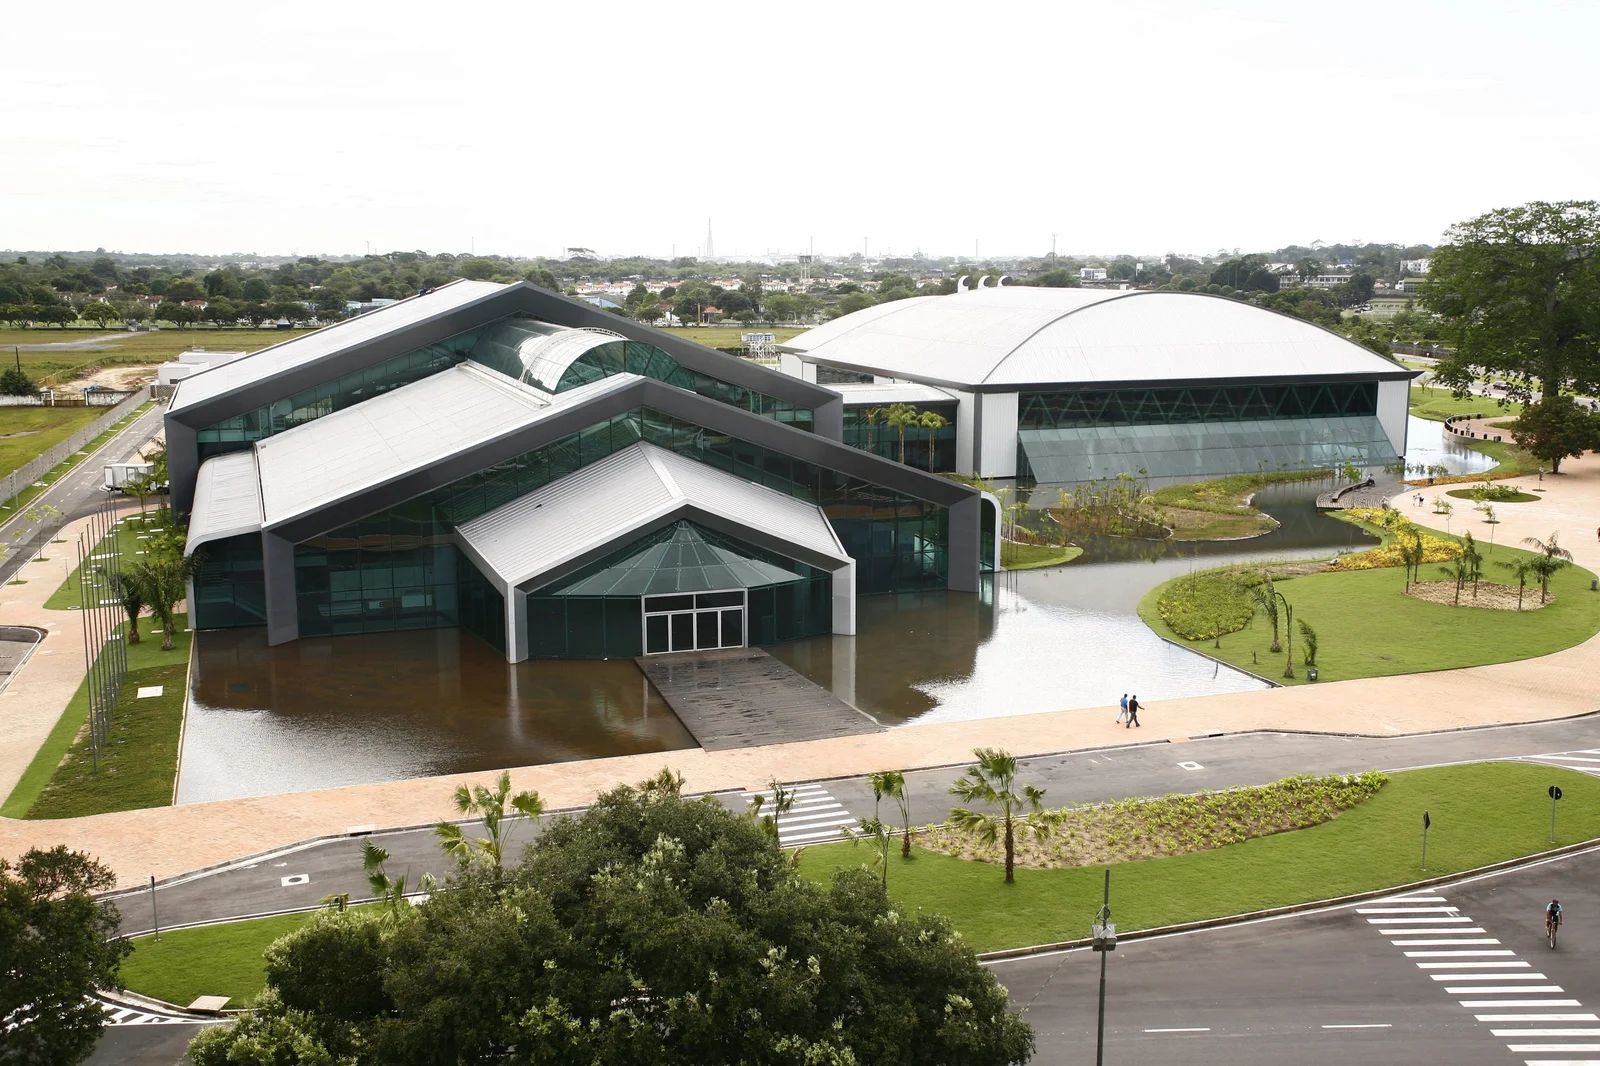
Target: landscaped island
{"type": "Point", "coordinates": [1381, 612]}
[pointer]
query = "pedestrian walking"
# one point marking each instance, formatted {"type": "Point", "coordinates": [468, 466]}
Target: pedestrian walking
{"type": "Point", "coordinates": [1133, 713]}
{"type": "Point", "coordinates": [1124, 712]}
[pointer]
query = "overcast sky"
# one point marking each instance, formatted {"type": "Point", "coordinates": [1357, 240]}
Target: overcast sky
{"type": "Point", "coordinates": [521, 128]}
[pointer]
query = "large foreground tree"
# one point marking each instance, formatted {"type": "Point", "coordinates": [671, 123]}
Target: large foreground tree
{"type": "Point", "coordinates": [649, 930]}
{"type": "Point", "coordinates": [1519, 291]}
{"type": "Point", "coordinates": [57, 945]}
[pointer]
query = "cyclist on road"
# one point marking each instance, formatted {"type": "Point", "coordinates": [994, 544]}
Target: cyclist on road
{"type": "Point", "coordinates": [1552, 915]}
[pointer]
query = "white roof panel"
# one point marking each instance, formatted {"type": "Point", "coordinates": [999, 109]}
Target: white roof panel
{"type": "Point", "coordinates": [391, 435]}
{"type": "Point", "coordinates": [592, 507]}
{"type": "Point", "coordinates": [310, 347]}
{"type": "Point", "coordinates": [1021, 335]}
{"type": "Point", "coordinates": [857, 394]}
{"type": "Point", "coordinates": [227, 499]}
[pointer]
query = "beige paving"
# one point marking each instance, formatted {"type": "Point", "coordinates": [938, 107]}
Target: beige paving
{"type": "Point", "coordinates": [170, 840]}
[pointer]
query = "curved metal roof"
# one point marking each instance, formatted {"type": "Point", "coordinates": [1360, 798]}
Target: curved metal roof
{"type": "Point", "coordinates": [1016, 336]}
{"type": "Point", "coordinates": [537, 353]}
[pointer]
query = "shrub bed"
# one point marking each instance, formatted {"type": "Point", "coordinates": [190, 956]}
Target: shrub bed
{"type": "Point", "coordinates": [1205, 605]}
{"type": "Point", "coordinates": [1150, 828]}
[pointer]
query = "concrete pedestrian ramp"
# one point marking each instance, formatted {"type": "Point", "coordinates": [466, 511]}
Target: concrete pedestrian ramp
{"type": "Point", "coordinates": [743, 698]}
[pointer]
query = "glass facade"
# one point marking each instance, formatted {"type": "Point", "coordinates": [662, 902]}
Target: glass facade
{"type": "Point", "coordinates": [555, 359]}
{"type": "Point", "coordinates": [397, 569]}
{"type": "Point", "coordinates": [1192, 433]}
{"type": "Point", "coordinates": [1199, 451]}
{"type": "Point", "coordinates": [229, 589]}
{"type": "Point", "coordinates": [1069, 408]}
{"type": "Point", "coordinates": [865, 428]}
{"type": "Point", "coordinates": [239, 432]}
{"type": "Point", "coordinates": [685, 575]}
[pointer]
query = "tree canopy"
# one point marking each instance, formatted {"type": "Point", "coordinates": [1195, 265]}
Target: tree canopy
{"type": "Point", "coordinates": [57, 945]}
{"type": "Point", "coordinates": [1519, 291]}
{"type": "Point", "coordinates": [651, 929]}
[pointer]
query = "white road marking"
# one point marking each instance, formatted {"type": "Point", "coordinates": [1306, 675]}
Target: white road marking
{"type": "Point", "coordinates": [1448, 954]}
{"type": "Point", "coordinates": [1402, 910]}
{"type": "Point", "coordinates": [1362, 1025]}
{"type": "Point", "coordinates": [1489, 977]}
{"type": "Point", "coordinates": [1480, 990]}
{"type": "Point", "coordinates": [1526, 1048]}
{"type": "Point", "coordinates": [1474, 1004]}
{"type": "Point", "coordinates": [1418, 921]}
{"type": "Point", "coordinates": [1538, 1017]}
{"type": "Point", "coordinates": [1438, 943]}
{"type": "Point", "coordinates": [1545, 1032]}
{"type": "Point", "coordinates": [1468, 965]}
{"type": "Point", "coordinates": [1177, 1030]}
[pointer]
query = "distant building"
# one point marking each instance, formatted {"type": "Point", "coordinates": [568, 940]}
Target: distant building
{"type": "Point", "coordinates": [1415, 266]}
{"type": "Point", "coordinates": [1408, 285]}
{"type": "Point", "coordinates": [1328, 281]}
{"type": "Point", "coordinates": [1092, 273]}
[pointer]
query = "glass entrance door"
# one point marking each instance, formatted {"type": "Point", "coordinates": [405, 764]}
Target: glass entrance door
{"type": "Point", "coordinates": [695, 622]}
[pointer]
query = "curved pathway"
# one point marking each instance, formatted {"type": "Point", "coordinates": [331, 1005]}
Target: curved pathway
{"type": "Point", "coordinates": [166, 841]}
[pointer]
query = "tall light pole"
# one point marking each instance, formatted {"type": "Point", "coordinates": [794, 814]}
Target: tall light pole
{"type": "Point", "coordinates": [1104, 934]}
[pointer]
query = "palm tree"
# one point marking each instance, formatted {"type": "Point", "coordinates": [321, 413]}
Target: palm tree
{"type": "Point", "coordinates": [871, 416]}
{"type": "Point", "coordinates": [881, 836]}
{"type": "Point", "coordinates": [1267, 599]}
{"type": "Point", "coordinates": [1457, 572]}
{"type": "Point", "coordinates": [1553, 558]}
{"type": "Point", "coordinates": [932, 421]}
{"type": "Point", "coordinates": [1308, 644]}
{"type": "Point", "coordinates": [163, 581]}
{"type": "Point", "coordinates": [901, 415]}
{"type": "Point", "coordinates": [993, 781]}
{"type": "Point", "coordinates": [388, 891]}
{"type": "Point", "coordinates": [892, 783]}
{"type": "Point", "coordinates": [1472, 559]}
{"type": "Point", "coordinates": [782, 801]}
{"type": "Point", "coordinates": [1411, 553]}
{"type": "Point", "coordinates": [130, 594]}
{"type": "Point", "coordinates": [1521, 569]}
{"type": "Point", "coordinates": [489, 805]}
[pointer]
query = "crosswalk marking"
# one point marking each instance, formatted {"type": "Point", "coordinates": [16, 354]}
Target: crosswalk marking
{"type": "Point", "coordinates": [1430, 915]}
{"type": "Point", "coordinates": [1584, 760]}
{"type": "Point", "coordinates": [815, 818]}
{"type": "Point", "coordinates": [116, 1014]}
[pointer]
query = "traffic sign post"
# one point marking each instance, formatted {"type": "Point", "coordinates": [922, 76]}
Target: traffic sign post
{"type": "Point", "coordinates": [1103, 933]}
{"type": "Point", "coordinates": [1426, 822]}
{"type": "Point", "coordinates": [1555, 794]}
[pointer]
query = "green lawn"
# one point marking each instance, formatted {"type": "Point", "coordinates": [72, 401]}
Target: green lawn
{"type": "Point", "coordinates": [28, 432]}
{"type": "Point", "coordinates": [1035, 556]}
{"type": "Point", "coordinates": [1521, 497]}
{"type": "Point", "coordinates": [148, 744]}
{"type": "Point", "coordinates": [127, 534]}
{"type": "Point", "coordinates": [1368, 627]}
{"type": "Point", "coordinates": [1437, 404]}
{"type": "Point", "coordinates": [61, 469]}
{"type": "Point", "coordinates": [141, 349]}
{"type": "Point", "coordinates": [214, 960]}
{"type": "Point", "coordinates": [1482, 813]}
{"type": "Point", "coordinates": [731, 336]}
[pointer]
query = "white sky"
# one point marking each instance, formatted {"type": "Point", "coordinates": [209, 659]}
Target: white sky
{"type": "Point", "coordinates": [523, 127]}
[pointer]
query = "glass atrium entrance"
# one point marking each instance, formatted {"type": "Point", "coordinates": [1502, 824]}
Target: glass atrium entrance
{"type": "Point", "coordinates": [699, 622]}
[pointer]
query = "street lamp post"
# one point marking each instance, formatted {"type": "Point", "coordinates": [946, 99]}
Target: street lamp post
{"type": "Point", "coordinates": [1104, 935]}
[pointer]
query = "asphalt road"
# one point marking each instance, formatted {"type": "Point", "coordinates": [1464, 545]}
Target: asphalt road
{"type": "Point", "coordinates": [83, 489]}
{"type": "Point", "coordinates": [297, 878]}
{"type": "Point", "coordinates": [1332, 988]}
{"type": "Point", "coordinates": [1328, 988]}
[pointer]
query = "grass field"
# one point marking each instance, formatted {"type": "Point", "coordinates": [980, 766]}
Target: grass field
{"type": "Point", "coordinates": [1521, 497]}
{"type": "Point", "coordinates": [61, 469]}
{"type": "Point", "coordinates": [1216, 510]}
{"type": "Point", "coordinates": [127, 533]}
{"type": "Point", "coordinates": [152, 751]}
{"type": "Point", "coordinates": [1368, 627]}
{"type": "Point", "coordinates": [730, 336]}
{"type": "Point", "coordinates": [1436, 405]}
{"type": "Point", "coordinates": [1482, 813]}
{"type": "Point", "coordinates": [215, 960]}
{"type": "Point", "coordinates": [136, 350]}
{"type": "Point", "coordinates": [28, 432]}
{"type": "Point", "coordinates": [1036, 556]}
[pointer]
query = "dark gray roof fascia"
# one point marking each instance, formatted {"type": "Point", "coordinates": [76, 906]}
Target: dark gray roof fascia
{"type": "Point", "coordinates": [646, 392]}
{"type": "Point", "coordinates": [519, 297]}
{"type": "Point", "coordinates": [1398, 374]}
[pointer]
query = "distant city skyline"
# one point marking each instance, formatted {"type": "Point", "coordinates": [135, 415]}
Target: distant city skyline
{"type": "Point", "coordinates": [1148, 126]}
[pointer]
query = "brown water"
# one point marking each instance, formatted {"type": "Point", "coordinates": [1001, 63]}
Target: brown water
{"type": "Point", "coordinates": [329, 711]}
{"type": "Point", "coordinates": [332, 711]}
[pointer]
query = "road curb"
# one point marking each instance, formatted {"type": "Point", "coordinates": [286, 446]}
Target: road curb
{"type": "Point", "coordinates": [1296, 908]}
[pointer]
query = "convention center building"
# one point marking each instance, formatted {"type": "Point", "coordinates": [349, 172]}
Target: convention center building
{"type": "Point", "coordinates": [559, 480]}
{"type": "Point", "coordinates": [1066, 386]}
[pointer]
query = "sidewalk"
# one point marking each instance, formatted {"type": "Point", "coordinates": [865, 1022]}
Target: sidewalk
{"type": "Point", "coordinates": [170, 840]}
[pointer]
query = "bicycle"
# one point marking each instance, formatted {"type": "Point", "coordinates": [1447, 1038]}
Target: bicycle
{"type": "Point", "coordinates": [1551, 924]}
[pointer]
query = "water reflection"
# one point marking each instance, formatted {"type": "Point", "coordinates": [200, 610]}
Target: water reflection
{"type": "Point", "coordinates": [1427, 444]}
{"type": "Point", "coordinates": [331, 711]}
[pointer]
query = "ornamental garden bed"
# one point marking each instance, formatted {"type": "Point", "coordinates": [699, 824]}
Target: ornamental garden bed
{"type": "Point", "coordinates": [1488, 595]}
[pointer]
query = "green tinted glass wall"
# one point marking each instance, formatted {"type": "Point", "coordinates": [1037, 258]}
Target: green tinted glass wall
{"type": "Point", "coordinates": [229, 589]}
{"type": "Point", "coordinates": [646, 360]}
{"type": "Point", "coordinates": [234, 434]}
{"type": "Point", "coordinates": [1069, 408]}
{"type": "Point", "coordinates": [378, 575]}
{"type": "Point", "coordinates": [871, 433]}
